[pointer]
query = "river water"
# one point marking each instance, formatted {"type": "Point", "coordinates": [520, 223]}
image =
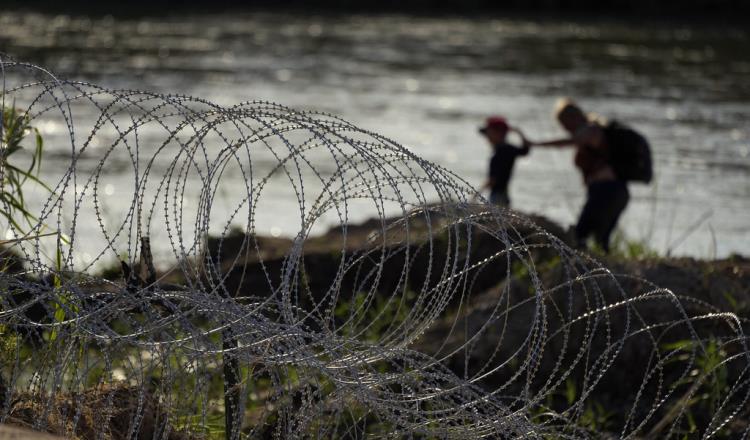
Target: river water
{"type": "Point", "coordinates": [428, 83]}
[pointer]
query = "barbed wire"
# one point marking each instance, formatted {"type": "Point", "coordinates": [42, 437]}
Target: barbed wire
{"type": "Point", "coordinates": [144, 302]}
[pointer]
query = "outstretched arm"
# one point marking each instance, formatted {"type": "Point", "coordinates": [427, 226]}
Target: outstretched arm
{"type": "Point", "coordinates": [592, 135]}
{"type": "Point", "coordinates": [564, 142]}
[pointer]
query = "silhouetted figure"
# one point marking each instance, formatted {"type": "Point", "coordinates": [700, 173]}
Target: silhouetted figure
{"type": "Point", "coordinates": [608, 154]}
{"type": "Point", "coordinates": [496, 130]}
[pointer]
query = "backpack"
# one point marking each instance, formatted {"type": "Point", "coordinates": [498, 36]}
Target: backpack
{"type": "Point", "coordinates": [629, 153]}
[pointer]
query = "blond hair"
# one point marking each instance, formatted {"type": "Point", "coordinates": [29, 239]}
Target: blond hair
{"type": "Point", "coordinates": [566, 107]}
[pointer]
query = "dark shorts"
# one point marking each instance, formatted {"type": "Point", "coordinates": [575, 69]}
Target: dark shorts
{"type": "Point", "coordinates": [605, 203]}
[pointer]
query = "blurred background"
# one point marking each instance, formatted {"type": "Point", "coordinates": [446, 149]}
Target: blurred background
{"type": "Point", "coordinates": [427, 76]}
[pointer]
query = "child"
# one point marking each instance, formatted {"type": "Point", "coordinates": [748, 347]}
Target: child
{"type": "Point", "coordinates": [495, 131]}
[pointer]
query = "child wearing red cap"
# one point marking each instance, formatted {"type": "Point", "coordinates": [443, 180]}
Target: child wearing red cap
{"type": "Point", "coordinates": [496, 130]}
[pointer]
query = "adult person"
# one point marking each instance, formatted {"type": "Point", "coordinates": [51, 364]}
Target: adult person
{"type": "Point", "coordinates": [607, 154]}
{"type": "Point", "coordinates": [496, 130]}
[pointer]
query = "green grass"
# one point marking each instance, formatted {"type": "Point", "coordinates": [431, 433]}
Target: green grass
{"type": "Point", "coordinates": [17, 134]}
{"type": "Point", "coordinates": [623, 247]}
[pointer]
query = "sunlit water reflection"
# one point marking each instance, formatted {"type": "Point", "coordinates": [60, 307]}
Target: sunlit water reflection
{"type": "Point", "coordinates": [428, 83]}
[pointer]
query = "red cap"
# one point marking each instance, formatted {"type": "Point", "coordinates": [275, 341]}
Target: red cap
{"type": "Point", "coordinates": [497, 122]}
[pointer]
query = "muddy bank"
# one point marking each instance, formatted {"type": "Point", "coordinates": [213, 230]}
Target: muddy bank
{"type": "Point", "coordinates": [252, 265]}
{"type": "Point", "coordinates": [538, 318]}
{"type": "Point", "coordinates": [507, 306]}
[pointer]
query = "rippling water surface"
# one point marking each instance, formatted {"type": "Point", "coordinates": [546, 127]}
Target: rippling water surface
{"type": "Point", "coordinates": [428, 83]}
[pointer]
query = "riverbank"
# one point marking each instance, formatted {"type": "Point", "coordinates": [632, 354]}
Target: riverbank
{"type": "Point", "coordinates": [569, 304]}
{"type": "Point", "coordinates": [722, 283]}
{"type": "Point", "coordinates": [581, 333]}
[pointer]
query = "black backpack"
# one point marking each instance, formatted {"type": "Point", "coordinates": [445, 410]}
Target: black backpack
{"type": "Point", "coordinates": [629, 153]}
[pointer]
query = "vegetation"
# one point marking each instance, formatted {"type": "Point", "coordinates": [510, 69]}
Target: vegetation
{"type": "Point", "coordinates": [16, 131]}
